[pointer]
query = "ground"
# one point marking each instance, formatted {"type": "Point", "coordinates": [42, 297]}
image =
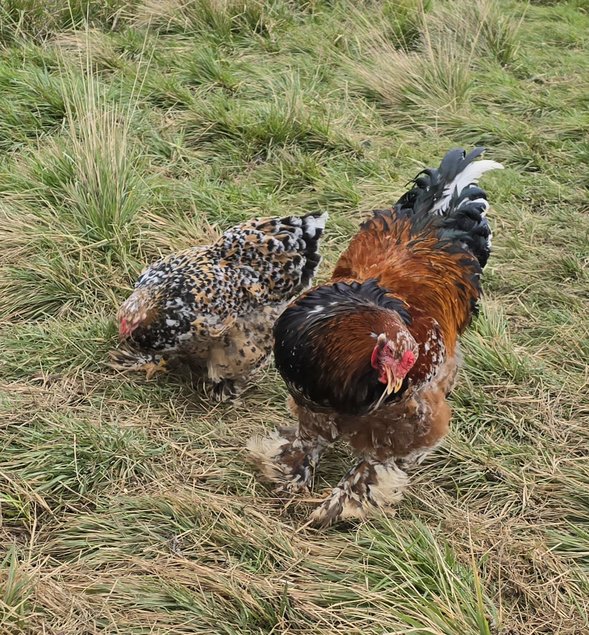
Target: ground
{"type": "Point", "coordinates": [131, 128]}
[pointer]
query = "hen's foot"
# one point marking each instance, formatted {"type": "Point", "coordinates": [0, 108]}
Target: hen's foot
{"type": "Point", "coordinates": [286, 459]}
{"type": "Point", "coordinates": [153, 368]}
{"type": "Point", "coordinates": [128, 361]}
{"type": "Point", "coordinates": [368, 486]}
{"type": "Point", "coordinates": [227, 390]}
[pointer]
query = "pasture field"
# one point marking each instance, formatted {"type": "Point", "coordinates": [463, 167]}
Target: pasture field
{"type": "Point", "coordinates": [130, 128]}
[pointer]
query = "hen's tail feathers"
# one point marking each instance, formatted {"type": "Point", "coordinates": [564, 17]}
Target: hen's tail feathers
{"type": "Point", "coordinates": [313, 225]}
{"type": "Point", "coordinates": [301, 234]}
{"type": "Point", "coordinates": [434, 190]}
{"type": "Point", "coordinates": [283, 252]}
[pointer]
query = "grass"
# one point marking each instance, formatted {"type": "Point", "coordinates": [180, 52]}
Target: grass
{"type": "Point", "coordinates": [130, 129]}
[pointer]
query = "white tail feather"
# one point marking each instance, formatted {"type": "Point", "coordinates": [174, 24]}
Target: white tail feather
{"type": "Point", "coordinates": [314, 223]}
{"type": "Point", "coordinates": [469, 176]}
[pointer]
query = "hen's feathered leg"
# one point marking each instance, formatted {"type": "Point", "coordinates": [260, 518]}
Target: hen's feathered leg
{"type": "Point", "coordinates": [369, 485]}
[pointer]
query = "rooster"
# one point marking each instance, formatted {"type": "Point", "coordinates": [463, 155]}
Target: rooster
{"type": "Point", "coordinates": [373, 355]}
{"type": "Point", "coordinates": [212, 308]}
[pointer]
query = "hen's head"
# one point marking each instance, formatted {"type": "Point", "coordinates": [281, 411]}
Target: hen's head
{"type": "Point", "coordinates": [393, 359]}
{"type": "Point", "coordinates": [138, 310]}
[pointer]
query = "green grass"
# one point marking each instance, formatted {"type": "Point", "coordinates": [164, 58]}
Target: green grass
{"type": "Point", "coordinates": [128, 129]}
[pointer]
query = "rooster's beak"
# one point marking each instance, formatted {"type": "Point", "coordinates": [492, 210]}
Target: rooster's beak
{"type": "Point", "coordinates": [393, 385]}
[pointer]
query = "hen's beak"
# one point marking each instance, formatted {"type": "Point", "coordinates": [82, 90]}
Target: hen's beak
{"type": "Point", "coordinates": [124, 329]}
{"type": "Point", "coordinates": [393, 385]}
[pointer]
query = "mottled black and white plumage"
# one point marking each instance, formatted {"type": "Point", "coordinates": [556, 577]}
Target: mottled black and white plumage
{"type": "Point", "coordinates": [213, 307]}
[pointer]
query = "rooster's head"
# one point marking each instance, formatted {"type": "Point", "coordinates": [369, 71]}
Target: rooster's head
{"type": "Point", "coordinates": [393, 359]}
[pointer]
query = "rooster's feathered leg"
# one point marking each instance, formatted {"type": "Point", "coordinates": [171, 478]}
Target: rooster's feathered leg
{"type": "Point", "coordinates": [369, 485]}
{"type": "Point", "coordinates": [288, 457]}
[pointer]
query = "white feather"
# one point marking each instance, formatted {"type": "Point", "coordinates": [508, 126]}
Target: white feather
{"type": "Point", "coordinates": [469, 176]}
{"type": "Point", "coordinates": [315, 223]}
{"type": "Point", "coordinates": [321, 220]}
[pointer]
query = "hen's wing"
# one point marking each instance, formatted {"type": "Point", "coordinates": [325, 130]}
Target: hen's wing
{"type": "Point", "coordinates": [200, 292]}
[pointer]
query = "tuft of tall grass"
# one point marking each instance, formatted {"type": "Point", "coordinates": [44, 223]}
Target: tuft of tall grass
{"type": "Point", "coordinates": [428, 83]}
{"type": "Point", "coordinates": [52, 346]}
{"type": "Point", "coordinates": [78, 217]}
{"type": "Point", "coordinates": [24, 19]}
{"type": "Point", "coordinates": [59, 460]}
{"type": "Point", "coordinates": [222, 20]}
{"type": "Point", "coordinates": [489, 349]}
{"type": "Point", "coordinates": [16, 591]}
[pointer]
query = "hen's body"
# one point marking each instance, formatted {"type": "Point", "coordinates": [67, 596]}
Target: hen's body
{"type": "Point", "coordinates": [410, 277]}
{"type": "Point", "coordinates": [213, 307]}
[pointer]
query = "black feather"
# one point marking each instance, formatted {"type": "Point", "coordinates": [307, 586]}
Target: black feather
{"type": "Point", "coordinates": [353, 294]}
{"type": "Point", "coordinates": [428, 185]}
{"type": "Point", "coordinates": [466, 222]}
{"type": "Point", "coordinates": [311, 253]}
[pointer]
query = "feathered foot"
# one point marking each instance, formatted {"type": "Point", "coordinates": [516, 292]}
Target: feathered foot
{"type": "Point", "coordinates": [125, 361]}
{"type": "Point", "coordinates": [227, 390]}
{"type": "Point", "coordinates": [368, 486]}
{"type": "Point", "coordinates": [287, 459]}
{"type": "Point", "coordinates": [414, 460]}
{"type": "Point", "coordinates": [417, 457]}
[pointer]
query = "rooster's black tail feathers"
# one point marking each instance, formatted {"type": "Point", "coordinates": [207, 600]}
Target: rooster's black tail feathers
{"type": "Point", "coordinates": [451, 192]}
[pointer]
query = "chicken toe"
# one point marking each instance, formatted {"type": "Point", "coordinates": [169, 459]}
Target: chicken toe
{"type": "Point", "coordinates": [227, 390]}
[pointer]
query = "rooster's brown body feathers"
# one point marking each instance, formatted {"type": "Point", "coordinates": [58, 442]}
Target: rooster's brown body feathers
{"type": "Point", "coordinates": [411, 276]}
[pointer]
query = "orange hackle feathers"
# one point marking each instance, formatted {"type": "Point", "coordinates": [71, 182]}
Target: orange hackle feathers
{"type": "Point", "coordinates": [428, 279]}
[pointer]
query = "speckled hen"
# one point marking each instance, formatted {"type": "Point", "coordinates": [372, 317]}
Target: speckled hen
{"type": "Point", "coordinates": [372, 356]}
{"type": "Point", "coordinates": [212, 307]}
